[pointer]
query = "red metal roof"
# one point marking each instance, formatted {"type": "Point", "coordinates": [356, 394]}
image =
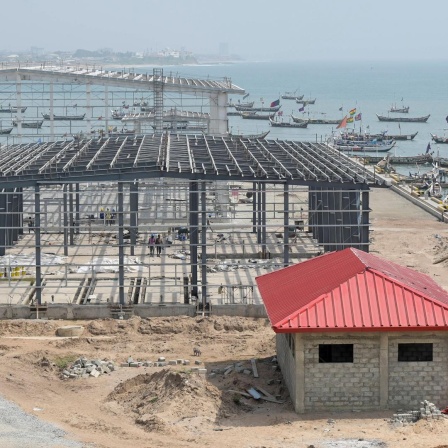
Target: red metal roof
{"type": "Point", "coordinates": [351, 290]}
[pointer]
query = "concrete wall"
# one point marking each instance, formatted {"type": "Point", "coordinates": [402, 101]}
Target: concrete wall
{"type": "Point", "coordinates": [342, 385]}
{"type": "Point", "coordinates": [375, 379]}
{"type": "Point", "coordinates": [239, 310]}
{"type": "Point", "coordinates": [412, 382]}
{"type": "Point", "coordinates": [287, 364]}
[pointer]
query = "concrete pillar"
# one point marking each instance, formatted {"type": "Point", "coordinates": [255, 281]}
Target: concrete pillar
{"type": "Point", "coordinates": [299, 399]}
{"type": "Point", "coordinates": [37, 244]}
{"type": "Point", "coordinates": [194, 239]}
{"type": "Point", "coordinates": [285, 224]}
{"type": "Point", "coordinates": [384, 370]}
{"type": "Point", "coordinates": [219, 123]}
{"type": "Point", "coordinates": [133, 218]}
{"type": "Point", "coordinates": [120, 245]}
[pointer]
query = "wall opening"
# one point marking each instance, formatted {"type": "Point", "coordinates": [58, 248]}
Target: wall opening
{"type": "Point", "coordinates": [415, 352]}
{"type": "Point", "coordinates": [332, 353]}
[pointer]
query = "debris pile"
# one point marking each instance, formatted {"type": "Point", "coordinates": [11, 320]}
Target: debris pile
{"type": "Point", "coordinates": [427, 411]}
{"type": "Point", "coordinates": [161, 362]}
{"type": "Point", "coordinates": [83, 368]}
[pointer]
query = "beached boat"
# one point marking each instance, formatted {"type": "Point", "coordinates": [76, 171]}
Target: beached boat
{"type": "Point", "coordinates": [117, 114]}
{"type": "Point", "coordinates": [12, 110]}
{"type": "Point", "coordinates": [439, 139]}
{"type": "Point", "coordinates": [314, 120]}
{"type": "Point", "coordinates": [258, 109]}
{"type": "Point", "coordinates": [400, 110]}
{"type": "Point", "coordinates": [29, 124]}
{"type": "Point", "coordinates": [250, 136]}
{"type": "Point", "coordinates": [305, 102]}
{"type": "Point", "coordinates": [256, 116]}
{"type": "Point", "coordinates": [5, 131]}
{"type": "Point", "coordinates": [287, 124]}
{"type": "Point", "coordinates": [64, 117]}
{"type": "Point", "coordinates": [420, 159]}
{"type": "Point", "coordinates": [404, 119]}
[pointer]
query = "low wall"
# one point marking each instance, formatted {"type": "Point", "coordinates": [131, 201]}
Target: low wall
{"type": "Point", "coordinates": [86, 312]}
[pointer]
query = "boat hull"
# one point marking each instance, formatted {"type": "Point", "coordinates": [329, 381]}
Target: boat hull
{"type": "Point", "coordinates": [403, 119]}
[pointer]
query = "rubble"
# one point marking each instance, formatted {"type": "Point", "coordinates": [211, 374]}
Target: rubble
{"type": "Point", "coordinates": [427, 411]}
{"type": "Point", "coordinates": [83, 368]}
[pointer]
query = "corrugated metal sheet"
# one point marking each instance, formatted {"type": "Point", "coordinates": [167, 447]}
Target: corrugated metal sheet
{"type": "Point", "coordinates": [352, 290]}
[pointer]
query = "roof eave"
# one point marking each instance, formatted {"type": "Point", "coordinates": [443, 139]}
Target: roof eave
{"type": "Point", "coordinates": [359, 329]}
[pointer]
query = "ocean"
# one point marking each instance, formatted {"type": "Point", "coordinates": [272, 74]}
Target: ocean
{"type": "Point", "coordinates": [370, 87]}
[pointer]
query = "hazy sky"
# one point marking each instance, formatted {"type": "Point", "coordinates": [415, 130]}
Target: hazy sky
{"type": "Point", "coordinates": [253, 29]}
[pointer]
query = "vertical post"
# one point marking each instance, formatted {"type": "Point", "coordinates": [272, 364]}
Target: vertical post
{"type": "Point", "coordinates": [19, 106]}
{"type": "Point", "coordinates": [285, 224]}
{"type": "Point", "coordinates": [258, 213]}
{"type": "Point", "coordinates": [133, 205]}
{"type": "Point", "coordinates": [52, 110]}
{"type": "Point", "coordinates": [77, 215]}
{"type": "Point", "coordinates": [88, 107]}
{"type": "Point", "coordinates": [20, 211]}
{"type": "Point", "coordinates": [65, 218]}
{"type": "Point", "coordinates": [120, 245]}
{"type": "Point", "coordinates": [37, 243]}
{"type": "Point", "coordinates": [70, 214]}
{"type": "Point", "coordinates": [194, 220]}
{"type": "Point", "coordinates": [106, 108]}
{"type": "Point", "coordinates": [2, 222]}
{"type": "Point", "coordinates": [364, 240]}
{"type": "Point", "coordinates": [263, 220]}
{"type": "Point", "coordinates": [254, 207]}
{"type": "Point", "coordinates": [204, 246]}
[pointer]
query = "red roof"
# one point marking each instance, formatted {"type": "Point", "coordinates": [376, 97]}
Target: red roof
{"type": "Point", "coordinates": [351, 290]}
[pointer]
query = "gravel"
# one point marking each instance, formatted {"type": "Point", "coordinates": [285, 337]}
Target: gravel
{"type": "Point", "coordinates": [21, 430]}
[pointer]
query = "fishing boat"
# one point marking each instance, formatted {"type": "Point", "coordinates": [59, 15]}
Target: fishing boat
{"type": "Point", "coordinates": [404, 119]}
{"type": "Point", "coordinates": [256, 116]}
{"type": "Point", "coordinates": [314, 120]}
{"type": "Point", "coordinates": [247, 104]}
{"type": "Point", "coordinates": [305, 102]}
{"type": "Point", "coordinates": [117, 114]}
{"type": "Point", "coordinates": [5, 131]}
{"type": "Point", "coordinates": [171, 125]}
{"type": "Point", "coordinates": [12, 109]}
{"type": "Point", "coordinates": [29, 124]}
{"type": "Point", "coordinates": [360, 146]}
{"type": "Point", "coordinates": [64, 117]}
{"type": "Point", "coordinates": [258, 109]}
{"type": "Point", "coordinates": [439, 139]}
{"type": "Point", "coordinates": [400, 110]}
{"type": "Point", "coordinates": [420, 159]}
{"type": "Point", "coordinates": [382, 136]}
{"type": "Point", "coordinates": [291, 96]}
{"type": "Point", "coordinates": [250, 136]}
{"type": "Point", "coordinates": [287, 124]}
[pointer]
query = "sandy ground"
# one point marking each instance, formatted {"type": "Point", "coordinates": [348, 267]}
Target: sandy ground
{"type": "Point", "coordinates": [158, 407]}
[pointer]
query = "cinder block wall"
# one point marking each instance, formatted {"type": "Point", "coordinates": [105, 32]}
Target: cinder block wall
{"type": "Point", "coordinates": [287, 365]}
{"type": "Point", "coordinates": [342, 385]}
{"type": "Point", "coordinates": [412, 382]}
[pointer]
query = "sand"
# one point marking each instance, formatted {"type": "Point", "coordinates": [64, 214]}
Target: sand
{"type": "Point", "coordinates": [170, 406]}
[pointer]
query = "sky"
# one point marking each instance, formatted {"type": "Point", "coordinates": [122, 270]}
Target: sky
{"type": "Point", "coordinates": [287, 30]}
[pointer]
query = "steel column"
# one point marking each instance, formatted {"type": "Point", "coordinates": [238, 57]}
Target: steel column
{"type": "Point", "coordinates": [37, 243]}
{"type": "Point", "coordinates": [120, 245]}
{"type": "Point", "coordinates": [70, 215]}
{"type": "Point", "coordinates": [263, 220]}
{"type": "Point", "coordinates": [259, 205]}
{"type": "Point", "coordinates": [365, 236]}
{"type": "Point", "coordinates": [254, 207]}
{"type": "Point", "coordinates": [133, 219]}
{"type": "Point", "coordinates": [52, 110]}
{"type": "Point", "coordinates": [77, 215]}
{"type": "Point", "coordinates": [2, 222]}
{"type": "Point", "coordinates": [194, 221]}
{"type": "Point", "coordinates": [88, 108]}
{"type": "Point", "coordinates": [204, 245]}
{"type": "Point", "coordinates": [285, 224]}
{"type": "Point", "coordinates": [65, 218]}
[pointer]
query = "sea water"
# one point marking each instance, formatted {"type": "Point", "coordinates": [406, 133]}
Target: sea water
{"type": "Point", "coordinates": [369, 87]}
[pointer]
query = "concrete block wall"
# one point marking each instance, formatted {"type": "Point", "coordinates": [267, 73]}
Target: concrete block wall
{"type": "Point", "coordinates": [412, 382]}
{"type": "Point", "coordinates": [287, 364]}
{"type": "Point", "coordinates": [342, 385]}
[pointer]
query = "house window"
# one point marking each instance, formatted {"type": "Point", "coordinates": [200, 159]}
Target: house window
{"type": "Point", "coordinates": [291, 344]}
{"type": "Point", "coordinates": [335, 353]}
{"type": "Point", "coordinates": [414, 352]}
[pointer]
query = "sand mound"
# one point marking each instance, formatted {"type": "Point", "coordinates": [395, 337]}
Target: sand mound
{"type": "Point", "coordinates": [167, 400]}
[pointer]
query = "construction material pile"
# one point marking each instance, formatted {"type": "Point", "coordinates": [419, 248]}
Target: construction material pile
{"type": "Point", "coordinates": [83, 368]}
